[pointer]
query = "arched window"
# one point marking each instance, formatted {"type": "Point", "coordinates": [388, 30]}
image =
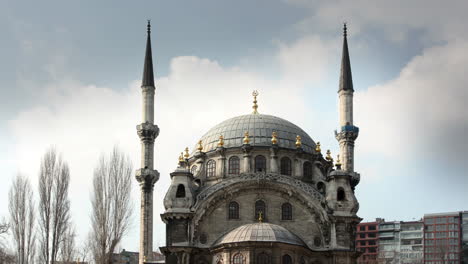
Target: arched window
{"type": "Point", "coordinates": [210, 168]}
{"type": "Point", "coordinates": [307, 170]}
{"type": "Point", "coordinates": [234, 165]}
{"type": "Point", "coordinates": [263, 258]}
{"type": "Point", "coordinates": [180, 191]}
{"type": "Point", "coordinates": [238, 259]}
{"type": "Point", "coordinates": [286, 211]}
{"type": "Point", "coordinates": [260, 208]}
{"type": "Point", "coordinates": [193, 169]}
{"type": "Point", "coordinates": [233, 210]}
{"type": "Point", "coordinates": [340, 194]}
{"type": "Point", "coordinates": [260, 163]}
{"type": "Point", "coordinates": [285, 166]}
{"type": "Point", "coordinates": [286, 259]}
{"type": "Point", "coordinates": [321, 187]}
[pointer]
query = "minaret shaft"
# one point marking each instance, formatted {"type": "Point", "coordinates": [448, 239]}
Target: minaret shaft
{"type": "Point", "coordinates": [348, 132]}
{"type": "Point", "coordinates": [146, 175]}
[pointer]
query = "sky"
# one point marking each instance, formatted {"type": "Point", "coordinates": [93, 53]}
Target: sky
{"type": "Point", "coordinates": [70, 77]}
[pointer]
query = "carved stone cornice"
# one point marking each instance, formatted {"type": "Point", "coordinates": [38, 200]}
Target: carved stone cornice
{"type": "Point", "coordinates": [147, 88]}
{"type": "Point", "coordinates": [147, 178]}
{"type": "Point", "coordinates": [147, 132]}
{"type": "Point", "coordinates": [348, 135]}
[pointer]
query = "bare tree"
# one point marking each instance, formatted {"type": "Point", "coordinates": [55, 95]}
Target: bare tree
{"type": "Point", "coordinates": [68, 251]}
{"type": "Point", "coordinates": [111, 203]}
{"type": "Point", "coordinates": [5, 257]}
{"type": "Point", "coordinates": [54, 204]}
{"type": "Point", "coordinates": [22, 219]}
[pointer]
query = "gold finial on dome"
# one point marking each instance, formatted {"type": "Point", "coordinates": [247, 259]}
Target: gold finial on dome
{"type": "Point", "coordinates": [200, 146]}
{"type": "Point", "coordinates": [260, 216]}
{"type": "Point", "coordinates": [298, 141]}
{"type": "Point", "coordinates": [181, 157]}
{"type": "Point", "coordinates": [255, 106]}
{"type": "Point", "coordinates": [329, 157]}
{"type": "Point", "coordinates": [187, 155]}
{"type": "Point", "coordinates": [221, 141]}
{"type": "Point", "coordinates": [317, 148]}
{"type": "Point", "coordinates": [338, 162]}
{"type": "Point", "coordinates": [246, 138]}
{"type": "Point", "coordinates": [274, 139]}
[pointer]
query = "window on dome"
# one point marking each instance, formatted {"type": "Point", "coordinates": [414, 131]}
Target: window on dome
{"type": "Point", "coordinates": [263, 258]}
{"type": "Point", "coordinates": [234, 165]}
{"type": "Point", "coordinates": [340, 195]}
{"type": "Point", "coordinates": [210, 168]}
{"type": "Point", "coordinates": [321, 187]}
{"type": "Point", "coordinates": [286, 211]}
{"type": "Point", "coordinates": [180, 193]}
{"type": "Point", "coordinates": [233, 210]}
{"type": "Point", "coordinates": [307, 170]}
{"type": "Point", "coordinates": [286, 259]}
{"type": "Point", "coordinates": [260, 163]}
{"type": "Point", "coordinates": [260, 209]}
{"type": "Point", "coordinates": [238, 259]}
{"type": "Point", "coordinates": [285, 166]}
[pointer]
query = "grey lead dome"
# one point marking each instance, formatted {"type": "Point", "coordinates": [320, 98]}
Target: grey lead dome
{"type": "Point", "coordinates": [260, 232]}
{"type": "Point", "coordinates": [260, 128]}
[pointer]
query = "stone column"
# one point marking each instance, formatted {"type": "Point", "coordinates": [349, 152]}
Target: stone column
{"type": "Point", "coordinates": [274, 159]}
{"type": "Point", "coordinates": [247, 157]}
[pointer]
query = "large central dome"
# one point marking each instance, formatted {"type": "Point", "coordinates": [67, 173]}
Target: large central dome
{"type": "Point", "coordinates": [260, 128]}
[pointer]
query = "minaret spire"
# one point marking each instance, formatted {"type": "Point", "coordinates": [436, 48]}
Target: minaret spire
{"type": "Point", "coordinates": [348, 132]}
{"type": "Point", "coordinates": [148, 76]}
{"type": "Point", "coordinates": [147, 176]}
{"type": "Point", "coordinates": [346, 79]}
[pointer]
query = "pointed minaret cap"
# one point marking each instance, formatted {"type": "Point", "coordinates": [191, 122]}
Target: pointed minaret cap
{"type": "Point", "coordinates": [148, 76]}
{"type": "Point", "coordinates": [346, 79]}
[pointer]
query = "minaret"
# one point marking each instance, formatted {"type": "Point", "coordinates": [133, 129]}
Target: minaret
{"type": "Point", "coordinates": [348, 132]}
{"type": "Point", "coordinates": [146, 175]}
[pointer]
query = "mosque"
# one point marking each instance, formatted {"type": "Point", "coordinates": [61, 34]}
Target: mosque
{"type": "Point", "coordinates": [257, 189]}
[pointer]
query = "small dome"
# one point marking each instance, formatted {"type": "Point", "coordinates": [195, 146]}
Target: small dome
{"type": "Point", "coordinates": [260, 232]}
{"type": "Point", "coordinates": [260, 128]}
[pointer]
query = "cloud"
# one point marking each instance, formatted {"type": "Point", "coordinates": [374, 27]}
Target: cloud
{"type": "Point", "coordinates": [83, 121]}
{"type": "Point", "coordinates": [421, 112]}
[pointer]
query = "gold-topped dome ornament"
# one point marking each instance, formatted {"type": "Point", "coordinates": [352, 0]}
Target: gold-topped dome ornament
{"type": "Point", "coordinates": [255, 106]}
{"type": "Point", "coordinates": [298, 141]}
{"type": "Point", "coordinates": [317, 148]}
{"type": "Point", "coordinates": [200, 146]}
{"type": "Point", "coordinates": [181, 157]}
{"type": "Point", "coordinates": [186, 155]}
{"type": "Point", "coordinates": [274, 139]}
{"type": "Point", "coordinates": [221, 141]}
{"type": "Point", "coordinates": [329, 157]}
{"type": "Point", "coordinates": [260, 217]}
{"type": "Point", "coordinates": [338, 162]}
{"type": "Point", "coordinates": [246, 138]}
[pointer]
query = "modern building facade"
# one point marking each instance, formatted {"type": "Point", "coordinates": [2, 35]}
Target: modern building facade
{"type": "Point", "coordinates": [464, 230]}
{"type": "Point", "coordinates": [367, 241]}
{"type": "Point", "coordinates": [389, 242]}
{"type": "Point", "coordinates": [442, 238]}
{"type": "Point", "coordinates": [411, 242]}
{"type": "Point", "coordinates": [256, 189]}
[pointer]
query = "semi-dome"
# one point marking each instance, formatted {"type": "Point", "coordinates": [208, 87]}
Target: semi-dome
{"type": "Point", "coordinates": [260, 232]}
{"type": "Point", "coordinates": [260, 128]}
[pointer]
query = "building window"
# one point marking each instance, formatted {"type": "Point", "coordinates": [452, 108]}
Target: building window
{"type": "Point", "coordinates": [340, 195]}
{"type": "Point", "coordinates": [286, 259]}
{"type": "Point", "coordinates": [260, 208]}
{"type": "Point", "coordinates": [210, 168]}
{"type": "Point", "coordinates": [307, 170]}
{"type": "Point", "coordinates": [234, 165]}
{"type": "Point", "coordinates": [285, 166]}
{"type": "Point", "coordinates": [286, 211]}
{"type": "Point", "coordinates": [260, 163]}
{"type": "Point", "coordinates": [263, 258]}
{"type": "Point", "coordinates": [321, 187]}
{"type": "Point", "coordinates": [238, 259]}
{"type": "Point", "coordinates": [233, 210]}
{"type": "Point", "coordinates": [362, 228]}
{"type": "Point", "coordinates": [372, 228]}
{"type": "Point", "coordinates": [180, 191]}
